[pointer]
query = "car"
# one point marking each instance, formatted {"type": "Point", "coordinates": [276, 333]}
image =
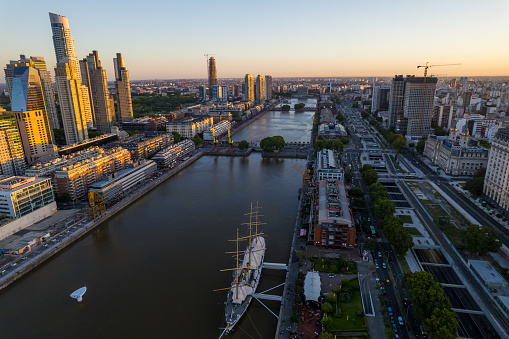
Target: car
{"type": "Point", "coordinates": [400, 320]}
{"type": "Point", "coordinates": [392, 320]}
{"type": "Point", "coordinates": [14, 264]}
{"type": "Point", "coordinates": [383, 265]}
{"type": "Point", "coordinates": [377, 280]}
{"type": "Point", "coordinates": [388, 282]}
{"type": "Point", "coordinates": [389, 310]}
{"type": "Point", "coordinates": [394, 328]}
{"type": "Point", "coordinates": [379, 254]}
{"type": "Point", "coordinates": [387, 303]}
{"type": "Point", "coordinates": [376, 265]}
{"type": "Point", "coordinates": [405, 301]}
{"type": "Point", "coordinates": [331, 275]}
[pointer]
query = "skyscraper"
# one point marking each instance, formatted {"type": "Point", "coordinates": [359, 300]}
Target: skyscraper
{"type": "Point", "coordinates": [260, 89]}
{"type": "Point", "coordinates": [212, 72]}
{"type": "Point", "coordinates": [380, 99]}
{"type": "Point", "coordinates": [72, 94]}
{"type": "Point", "coordinates": [28, 106]}
{"type": "Point", "coordinates": [98, 83]}
{"type": "Point", "coordinates": [397, 97]}
{"type": "Point", "coordinates": [12, 160]}
{"type": "Point", "coordinates": [123, 90]}
{"type": "Point", "coordinates": [418, 106]}
{"type": "Point", "coordinates": [268, 87]}
{"type": "Point", "coordinates": [45, 79]}
{"type": "Point", "coordinates": [249, 88]}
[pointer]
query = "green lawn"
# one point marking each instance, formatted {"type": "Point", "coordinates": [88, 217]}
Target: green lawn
{"type": "Point", "coordinates": [404, 264]}
{"type": "Point", "coordinates": [350, 321]}
{"type": "Point", "coordinates": [407, 219]}
{"type": "Point", "coordinates": [413, 231]}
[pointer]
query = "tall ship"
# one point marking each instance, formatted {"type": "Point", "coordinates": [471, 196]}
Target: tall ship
{"type": "Point", "coordinates": [246, 274]}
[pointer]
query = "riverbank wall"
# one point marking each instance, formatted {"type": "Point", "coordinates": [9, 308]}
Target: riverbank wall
{"type": "Point", "coordinates": [91, 225]}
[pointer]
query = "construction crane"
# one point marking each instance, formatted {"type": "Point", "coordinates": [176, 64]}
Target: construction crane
{"type": "Point", "coordinates": [96, 206]}
{"type": "Point", "coordinates": [306, 173]}
{"type": "Point", "coordinates": [215, 148]}
{"type": "Point", "coordinates": [230, 141]}
{"type": "Point", "coordinates": [426, 66]}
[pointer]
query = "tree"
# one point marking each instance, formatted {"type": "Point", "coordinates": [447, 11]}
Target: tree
{"type": "Point", "coordinates": [278, 141]}
{"type": "Point", "coordinates": [369, 244]}
{"type": "Point", "coordinates": [355, 105]}
{"type": "Point", "coordinates": [331, 298]}
{"type": "Point", "coordinates": [197, 140]}
{"type": "Point", "coordinates": [484, 143]}
{"type": "Point", "coordinates": [176, 137]}
{"type": "Point", "coordinates": [326, 335]}
{"type": "Point", "coordinates": [64, 197]}
{"type": "Point", "coordinates": [344, 140]}
{"type": "Point", "coordinates": [356, 192]}
{"type": "Point", "coordinates": [480, 239]}
{"type": "Point", "coordinates": [336, 290]}
{"type": "Point", "coordinates": [425, 293]}
{"type": "Point", "coordinates": [299, 106]}
{"type": "Point", "coordinates": [384, 208]}
{"type": "Point", "coordinates": [364, 115]}
{"type": "Point", "coordinates": [377, 191]}
{"type": "Point", "coordinates": [285, 107]}
{"type": "Point", "coordinates": [420, 146]}
{"type": "Point", "coordinates": [399, 237]}
{"type": "Point", "coordinates": [327, 308]}
{"type": "Point", "coordinates": [365, 167]}
{"type": "Point", "coordinates": [475, 186]}
{"type": "Point", "coordinates": [243, 145]}
{"type": "Point", "coordinates": [345, 296]}
{"type": "Point", "coordinates": [326, 322]}
{"type": "Point", "coordinates": [399, 144]}
{"type": "Point", "coordinates": [301, 254]}
{"type": "Point", "coordinates": [442, 324]}
{"type": "Point", "coordinates": [369, 177]}
{"type": "Point", "coordinates": [267, 144]}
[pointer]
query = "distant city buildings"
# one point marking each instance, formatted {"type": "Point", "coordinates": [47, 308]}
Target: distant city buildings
{"type": "Point", "coordinates": [268, 87]}
{"type": "Point", "coordinates": [189, 127]}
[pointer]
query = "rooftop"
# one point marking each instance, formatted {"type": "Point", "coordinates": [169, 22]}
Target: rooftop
{"type": "Point", "coordinates": [487, 272]}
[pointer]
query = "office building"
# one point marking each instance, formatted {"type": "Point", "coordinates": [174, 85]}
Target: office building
{"type": "Point", "coordinates": [217, 130]}
{"type": "Point", "coordinates": [202, 93]}
{"type": "Point", "coordinates": [496, 180]}
{"type": "Point", "coordinates": [381, 98]}
{"type": "Point", "coordinates": [123, 90]}
{"type": "Point", "coordinates": [44, 81]}
{"type": "Point", "coordinates": [216, 92]}
{"type": "Point", "coordinates": [268, 87]}
{"type": "Point", "coordinates": [73, 96]}
{"type": "Point", "coordinates": [12, 158]}
{"type": "Point", "coordinates": [260, 89]}
{"type": "Point", "coordinates": [397, 119]}
{"type": "Point", "coordinates": [97, 83]}
{"type": "Point", "coordinates": [328, 166]}
{"type": "Point", "coordinates": [20, 195]}
{"type": "Point", "coordinates": [236, 91]}
{"type": "Point", "coordinates": [249, 94]}
{"type": "Point", "coordinates": [334, 226]}
{"type": "Point", "coordinates": [212, 72]}
{"type": "Point", "coordinates": [418, 105]}
{"type": "Point", "coordinates": [442, 115]}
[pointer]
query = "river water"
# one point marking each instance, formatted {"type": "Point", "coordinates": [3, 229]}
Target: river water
{"type": "Point", "coordinates": [151, 270]}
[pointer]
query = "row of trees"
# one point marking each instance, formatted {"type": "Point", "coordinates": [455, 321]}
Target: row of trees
{"type": "Point", "coordinates": [480, 239]}
{"type": "Point", "coordinates": [299, 106]}
{"type": "Point", "coordinates": [336, 145]}
{"type": "Point", "coordinates": [369, 175]}
{"type": "Point", "coordinates": [270, 144]}
{"type": "Point", "coordinates": [430, 305]}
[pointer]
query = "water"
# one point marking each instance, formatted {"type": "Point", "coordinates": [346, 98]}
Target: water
{"type": "Point", "coordinates": [150, 270]}
{"type": "Point", "coordinates": [293, 127]}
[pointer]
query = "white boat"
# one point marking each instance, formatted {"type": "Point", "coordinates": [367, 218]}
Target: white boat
{"type": "Point", "coordinates": [246, 276]}
{"type": "Point", "coordinates": [78, 294]}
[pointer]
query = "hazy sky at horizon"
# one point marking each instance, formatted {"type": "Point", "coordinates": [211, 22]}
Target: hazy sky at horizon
{"type": "Point", "coordinates": [168, 39]}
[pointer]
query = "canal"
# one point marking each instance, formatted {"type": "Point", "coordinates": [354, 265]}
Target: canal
{"type": "Point", "coordinates": [151, 270]}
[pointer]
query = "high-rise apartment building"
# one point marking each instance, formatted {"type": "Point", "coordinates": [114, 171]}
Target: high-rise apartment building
{"type": "Point", "coordinates": [249, 94]}
{"type": "Point", "coordinates": [260, 88]}
{"type": "Point", "coordinates": [86, 81]}
{"type": "Point", "coordinates": [35, 135]}
{"type": "Point", "coordinates": [418, 107]}
{"type": "Point", "coordinates": [216, 92]}
{"type": "Point", "coordinates": [202, 93]}
{"type": "Point", "coordinates": [104, 113]}
{"type": "Point", "coordinates": [496, 181]}
{"type": "Point", "coordinates": [212, 72]}
{"type": "Point", "coordinates": [72, 94]}
{"type": "Point", "coordinates": [12, 159]}
{"type": "Point", "coordinates": [123, 90]}
{"type": "Point", "coordinates": [74, 104]}
{"type": "Point", "coordinates": [268, 87]}
{"type": "Point", "coordinates": [380, 99]}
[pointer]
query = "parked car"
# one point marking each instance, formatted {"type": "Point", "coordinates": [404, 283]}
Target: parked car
{"type": "Point", "coordinates": [400, 320]}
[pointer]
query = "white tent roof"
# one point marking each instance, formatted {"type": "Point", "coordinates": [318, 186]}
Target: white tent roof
{"type": "Point", "coordinates": [312, 286]}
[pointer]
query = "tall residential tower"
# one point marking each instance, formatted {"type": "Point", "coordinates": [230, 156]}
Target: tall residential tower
{"type": "Point", "coordinates": [260, 89]}
{"type": "Point", "coordinates": [123, 90]}
{"type": "Point", "coordinates": [249, 88]}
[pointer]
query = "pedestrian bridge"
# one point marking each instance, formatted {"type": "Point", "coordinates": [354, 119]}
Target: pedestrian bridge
{"type": "Point", "coordinates": [267, 296]}
{"type": "Point", "coordinates": [274, 266]}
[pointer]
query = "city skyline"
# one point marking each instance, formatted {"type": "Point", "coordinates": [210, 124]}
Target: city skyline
{"type": "Point", "coordinates": [361, 40]}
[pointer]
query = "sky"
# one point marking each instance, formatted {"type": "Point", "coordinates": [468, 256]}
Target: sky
{"type": "Point", "coordinates": [166, 39]}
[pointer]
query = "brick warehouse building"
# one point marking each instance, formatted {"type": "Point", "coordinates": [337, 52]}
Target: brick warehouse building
{"type": "Point", "coordinates": [334, 225]}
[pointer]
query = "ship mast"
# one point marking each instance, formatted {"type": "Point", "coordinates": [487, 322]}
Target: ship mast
{"type": "Point", "coordinates": [237, 271]}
